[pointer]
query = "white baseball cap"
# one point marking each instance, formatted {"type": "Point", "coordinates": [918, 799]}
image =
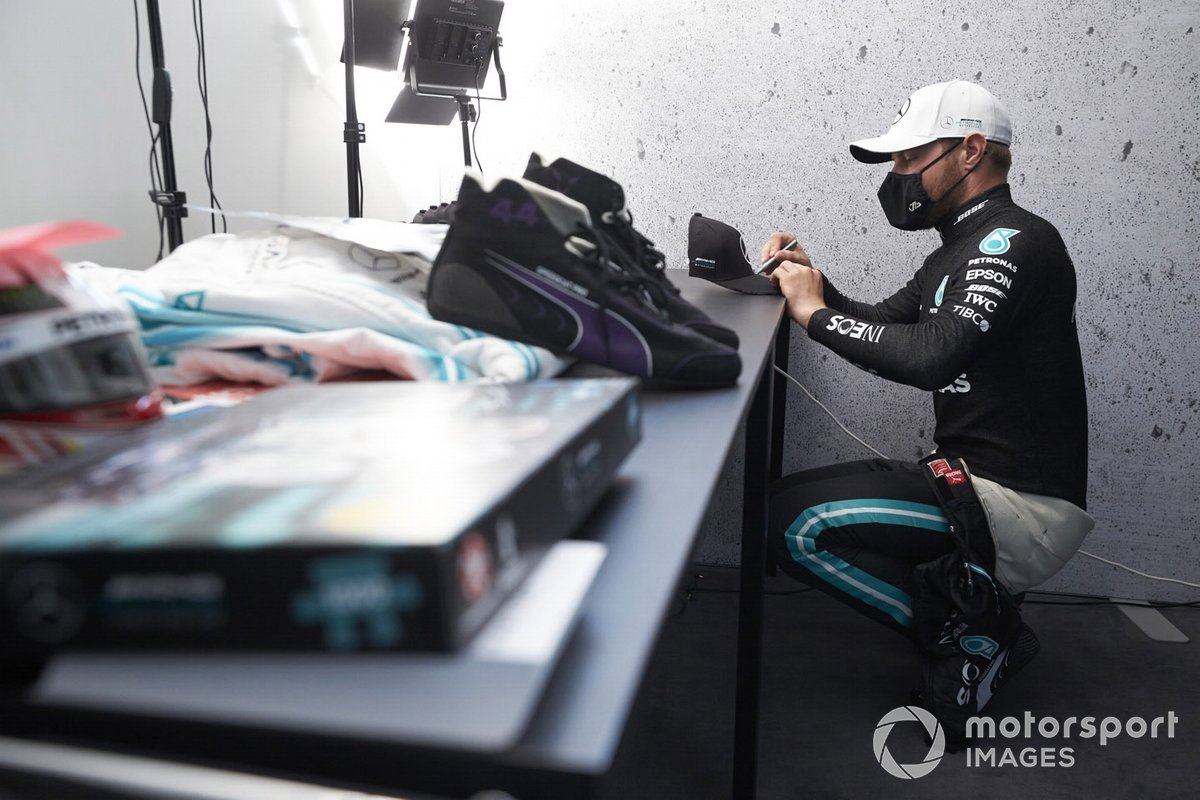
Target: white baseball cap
{"type": "Point", "coordinates": [949, 110]}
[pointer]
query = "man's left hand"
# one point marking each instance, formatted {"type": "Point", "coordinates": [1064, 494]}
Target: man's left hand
{"type": "Point", "coordinates": [802, 287]}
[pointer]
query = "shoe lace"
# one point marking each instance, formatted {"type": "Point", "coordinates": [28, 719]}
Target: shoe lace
{"type": "Point", "coordinates": [653, 283]}
{"type": "Point", "coordinates": [651, 260]}
{"type": "Point", "coordinates": [617, 273]}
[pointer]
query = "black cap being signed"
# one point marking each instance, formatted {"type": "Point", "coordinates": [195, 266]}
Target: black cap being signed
{"type": "Point", "coordinates": [717, 253]}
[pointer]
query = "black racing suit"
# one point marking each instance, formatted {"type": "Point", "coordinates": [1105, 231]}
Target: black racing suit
{"type": "Point", "coordinates": [987, 324]}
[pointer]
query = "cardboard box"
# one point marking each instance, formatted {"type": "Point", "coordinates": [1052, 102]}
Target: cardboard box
{"type": "Point", "coordinates": [389, 516]}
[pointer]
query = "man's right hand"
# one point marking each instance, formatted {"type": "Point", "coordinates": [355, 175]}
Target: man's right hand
{"type": "Point", "coordinates": [774, 247]}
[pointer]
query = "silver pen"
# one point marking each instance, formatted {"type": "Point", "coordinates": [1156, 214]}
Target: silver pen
{"type": "Point", "coordinates": [775, 260]}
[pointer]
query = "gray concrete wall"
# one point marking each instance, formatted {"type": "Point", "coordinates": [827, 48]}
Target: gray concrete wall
{"type": "Point", "coordinates": [739, 110]}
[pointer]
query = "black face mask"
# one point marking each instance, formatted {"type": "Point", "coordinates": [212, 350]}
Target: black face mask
{"type": "Point", "coordinates": [904, 199]}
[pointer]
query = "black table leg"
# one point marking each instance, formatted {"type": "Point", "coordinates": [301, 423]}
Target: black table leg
{"type": "Point", "coordinates": [754, 526]}
{"type": "Point", "coordinates": [783, 341]}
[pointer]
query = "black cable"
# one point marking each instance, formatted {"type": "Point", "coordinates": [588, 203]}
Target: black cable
{"type": "Point", "coordinates": [1148, 604]}
{"type": "Point", "coordinates": [157, 188]}
{"type": "Point", "coordinates": [156, 180]}
{"type": "Point", "coordinates": [1069, 603]}
{"type": "Point", "coordinates": [478, 115]}
{"type": "Point", "coordinates": [137, 71]}
{"type": "Point", "coordinates": [1064, 594]}
{"type": "Point", "coordinates": [202, 81]}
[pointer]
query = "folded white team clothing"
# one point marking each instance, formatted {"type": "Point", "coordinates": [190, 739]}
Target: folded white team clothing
{"type": "Point", "coordinates": [1035, 535]}
{"type": "Point", "coordinates": [423, 240]}
{"type": "Point", "coordinates": [293, 304]}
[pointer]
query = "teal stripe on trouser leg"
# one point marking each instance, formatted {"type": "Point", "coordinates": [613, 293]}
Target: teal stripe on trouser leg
{"type": "Point", "coordinates": [802, 534]}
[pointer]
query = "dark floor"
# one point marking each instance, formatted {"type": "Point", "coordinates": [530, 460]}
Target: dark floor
{"type": "Point", "coordinates": [829, 675]}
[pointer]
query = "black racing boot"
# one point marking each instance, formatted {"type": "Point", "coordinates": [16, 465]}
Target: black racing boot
{"type": "Point", "coordinates": [605, 201]}
{"type": "Point", "coordinates": [957, 687]}
{"type": "Point", "coordinates": [443, 214]}
{"type": "Point", "coordinates": [525, 263]}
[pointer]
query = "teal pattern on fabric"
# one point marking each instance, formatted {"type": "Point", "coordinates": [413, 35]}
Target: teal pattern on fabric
{"type": "Point", "coordinates": [182, 322]}
{"type": "Point", "coordinates": [191, 301]}
{"type": "Point", "coordinates": [181, 335]}
{"type": "Point", "coordinates": [524, 358]}
{"type": "Point", "coordinates": [981, 571]}
{"type": "Point", "coordinates": [802, 534]}
{"type": "Point", "coordinates": [152, 310]}
{"type": "Point", "coordinates": [532, 367]}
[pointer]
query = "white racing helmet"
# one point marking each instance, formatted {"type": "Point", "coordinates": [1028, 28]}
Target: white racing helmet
{"type": "Point", "coordinates": [71, 368]}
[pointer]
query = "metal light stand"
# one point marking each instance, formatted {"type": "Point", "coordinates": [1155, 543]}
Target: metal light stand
{"type": "Point", "coordinates": [169, 198]}
{"type": "Point", "coordinates": [354, 132]}
{"type": "Point", "coordinates": [466, 113]}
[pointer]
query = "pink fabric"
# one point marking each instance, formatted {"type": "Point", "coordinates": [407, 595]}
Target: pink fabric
{"type": "Point", "coordinates": [25, 252]}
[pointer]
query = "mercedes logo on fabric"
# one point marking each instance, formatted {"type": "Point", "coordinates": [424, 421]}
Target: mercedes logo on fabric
{"type": "Point", "coordinates": [903, 110]}
{"type": "Point", "coordinates": [932, 727]}
{"type": "Point", "coordinates": [373, 260]}
{"type": "Point", "coordinates": [46, 602]}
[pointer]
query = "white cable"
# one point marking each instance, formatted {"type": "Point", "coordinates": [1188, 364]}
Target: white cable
{"type": "Point", "coordinates": [881, 455]}
{"type": "Point", "coordinates": [830, 413]}
{"type": "Point", "coordinates": [1138, 572]}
